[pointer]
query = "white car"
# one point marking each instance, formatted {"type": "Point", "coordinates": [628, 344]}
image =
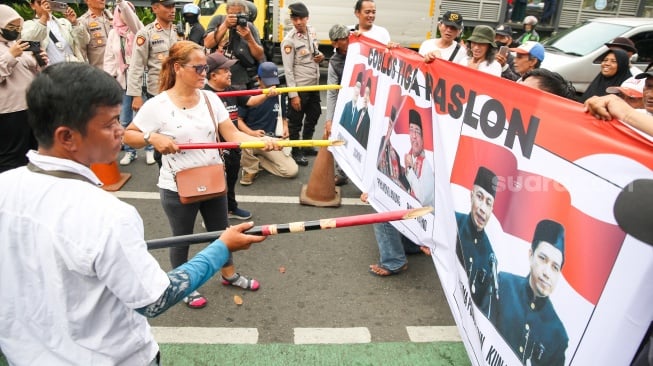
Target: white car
{"type": "Point", "coordinates": [576, 52]}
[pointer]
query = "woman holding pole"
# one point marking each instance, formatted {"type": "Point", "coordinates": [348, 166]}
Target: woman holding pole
{"type": "Point", "coordinates": [183, 113]}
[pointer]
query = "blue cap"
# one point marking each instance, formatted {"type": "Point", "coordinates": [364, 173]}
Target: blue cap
{"type": "Point", "coordinates": [532, 48]}
{"type": "Point", "coordinates": [269, 73]}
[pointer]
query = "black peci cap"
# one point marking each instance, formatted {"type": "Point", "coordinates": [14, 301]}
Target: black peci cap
{"type": "Point", "coordinates": [486, 179]}
{"type": "Point", "coordinates": [551, 232]}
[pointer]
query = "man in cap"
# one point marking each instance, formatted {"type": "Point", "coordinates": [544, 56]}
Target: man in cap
{"type": "Point", "coordinates": [522, 312]}
{"type": "Point", "coordinates": [301, 62]}
{"type": "Point", "coordinates": [236, 40]}
{"type": "Point", "coordinates": [219, 80]}
{"type": "Point", "coordinates": [647, 90]}
{"type": "Point", "coordinates": [473, 247]}
{"type": "Point", "coordinates": [631, 90]}
{"type": "Point", "coordinates": [339, 36]}
{"type": "Point", "coordinates": [529, 56]}
{"type": "Point", "coordinates": [418, 169]}
{"type": "Point", "coordinates": [446, 47]}
{"type": "Point", "coordinates": [260, 121]}
{"type": "Point", "coordinates": [151, 46]}
{"type": "Point", "coordinates": [503, 38]}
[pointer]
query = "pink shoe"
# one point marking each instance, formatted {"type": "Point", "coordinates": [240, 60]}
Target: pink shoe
{"type": "Point", "coordinates": [242, 282]}
{"type": "Point", "coordinates": [195, 300]}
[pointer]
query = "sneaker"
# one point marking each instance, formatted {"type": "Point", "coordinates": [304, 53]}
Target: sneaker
{"type": "Point", "coordinates": [128, 158]}
{"type": "Point", "coordinates": [240, 214]}
{"type": "Point", "coordinates": [248, 178]}
{"type": "Point", "coordinates": [299, 158]}
{"type": "Point", "coordinates": [149, 157]}
{"type": "Point", "coordinates": [195, 300]}
{"type": "Point", "coordinates": [242, 282]}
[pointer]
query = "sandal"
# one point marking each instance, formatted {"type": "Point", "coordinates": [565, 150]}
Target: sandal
{"type": "Point", "coordinates": [377, 270]}
{"type": "Point", "coordinates": [426, 250]}
{"type": "Point", "coordinates": [242, 282]}
{"type": "Point", "coordinates": [195, 300]}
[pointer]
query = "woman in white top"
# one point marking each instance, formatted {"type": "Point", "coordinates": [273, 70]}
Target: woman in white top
{"type": "Point", "coordinates": [180, 115]}
{"type": "Point", "coordinates": [481, 50]}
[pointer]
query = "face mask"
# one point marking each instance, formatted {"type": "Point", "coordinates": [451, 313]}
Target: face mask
{"type": "Point", "coordinates": [190, 18]}
{"type": "Point", "coordinates": [500, 44]}
{"type": "Point", "coordinates": [10, 35]}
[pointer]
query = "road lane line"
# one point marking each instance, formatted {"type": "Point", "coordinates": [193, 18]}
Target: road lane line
{"type": "Point", "coordinates": [332, 335]}
{"type": "Point", "coordinates": [434, 334]}
{"type": "Point", "coordinates": [200, 335]}
{"type": "Point", "coordinates": [239, 198]}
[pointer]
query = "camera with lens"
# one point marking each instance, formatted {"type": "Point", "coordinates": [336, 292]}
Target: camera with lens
{"type": "Point", "coordinates": [241, 20]}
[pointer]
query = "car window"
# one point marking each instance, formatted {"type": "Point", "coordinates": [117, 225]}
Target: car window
{"type": "Point", "coordinates": [585, 38]}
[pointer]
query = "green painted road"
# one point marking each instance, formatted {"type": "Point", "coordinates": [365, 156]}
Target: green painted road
{"type": "Point", "coordinates": [387, 354]}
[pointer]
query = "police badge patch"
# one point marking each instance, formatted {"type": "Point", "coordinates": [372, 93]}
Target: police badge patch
{"type": "Point", "coordinates": [140, 40]}
{"type": "Point", "coordinates": [287, 49]}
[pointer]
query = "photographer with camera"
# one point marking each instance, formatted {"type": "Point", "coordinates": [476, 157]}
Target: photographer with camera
{"type": "Point", "coordinates": [18, 66]}
{"type": "Point", "coordinates": [237, 38]}
{"type": "Point", "coordinates": [61, 38]}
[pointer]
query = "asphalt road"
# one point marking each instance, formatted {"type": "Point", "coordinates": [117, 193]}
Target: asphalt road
{"type": "Point", "coordinates": [325, 284]}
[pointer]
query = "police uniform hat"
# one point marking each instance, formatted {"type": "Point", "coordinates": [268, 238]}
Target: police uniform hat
{"type": "Point", "coordinates": [298, 10]}
{"type": "Point", "coordinates": [163, 2]}
{"type": "Point", "coordinates": [551, 232]}
{"type": "Point", "coordinates": [453, 18]}
{"type": "Point", "coordinates": [216, 60]}
{"type": "Point", "coordinates": [486, 179]}
{"type": "Point", "coordinates": [338, 31]}
{"type": "Point", "coordinates": [414, 118]}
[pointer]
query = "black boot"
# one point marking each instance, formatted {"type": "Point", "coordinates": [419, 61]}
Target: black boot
{"type": "Point", "coordinates": [309, 151]}
{"type": "Point", "coordinates": [298, 156]}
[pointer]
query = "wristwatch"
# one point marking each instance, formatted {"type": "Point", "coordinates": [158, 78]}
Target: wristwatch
{"type": "Point", "coordinates": [146, 137]}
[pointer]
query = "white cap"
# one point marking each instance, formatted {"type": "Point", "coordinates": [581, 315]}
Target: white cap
{"type": "Point", "coordinates": [632, 87]}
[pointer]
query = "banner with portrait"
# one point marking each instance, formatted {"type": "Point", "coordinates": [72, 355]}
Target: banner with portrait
{"type": "Point", "coordinates": [523, 185]}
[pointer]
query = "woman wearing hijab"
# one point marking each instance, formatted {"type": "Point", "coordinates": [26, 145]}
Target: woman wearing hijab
{"type": "Point", "coordinates": [18, 67]}
{"type": "Point", "coordinates": [615, 70]}
{"type": "Point", "coordinates": [117, 56]}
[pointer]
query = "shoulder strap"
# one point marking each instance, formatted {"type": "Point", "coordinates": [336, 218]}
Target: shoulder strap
{"type": "Point", "coordinates": [215, 125]}
{"type": "Point", "coordinates": [58, 173]}
{"type": "Point", "coordinates": [455, 52]}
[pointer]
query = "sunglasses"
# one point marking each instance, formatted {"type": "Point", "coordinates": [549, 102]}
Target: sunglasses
{"type": "Point", "coordinates": [199, 69]}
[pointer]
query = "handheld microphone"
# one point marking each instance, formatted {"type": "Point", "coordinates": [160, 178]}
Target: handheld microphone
{"type": "Point", "coordinates": [493, 263]}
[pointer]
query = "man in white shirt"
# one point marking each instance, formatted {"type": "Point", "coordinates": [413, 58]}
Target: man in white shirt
{"type": "Point", "coordinates": [447, 46]}
{"type": "Point", "coordinates": [76, 279]}
{"type": "Point", "coordinates": [365, 11]}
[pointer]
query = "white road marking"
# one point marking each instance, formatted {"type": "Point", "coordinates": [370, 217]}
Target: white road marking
{"type": "Point", "coordinates": [332, 335]}
{"type": "Point", "coordinates": [199, 335]}
{"type": "Point", "coordinates": [434, 334]}
{"type": "Point", "coordinates": [239, 198]}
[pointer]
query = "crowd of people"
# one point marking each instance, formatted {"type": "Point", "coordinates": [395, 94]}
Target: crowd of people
{"type": "Point", "coordinates": [153, 87]}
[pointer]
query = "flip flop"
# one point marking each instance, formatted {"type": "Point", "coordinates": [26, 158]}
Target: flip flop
{"type": "Point", "coordinates": [388, 272]}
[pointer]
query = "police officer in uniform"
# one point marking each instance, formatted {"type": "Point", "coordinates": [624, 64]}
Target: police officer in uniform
{"type": "Point", "coordinates": [98, 22]}
{"type": "Point", "coordinates": [238, 39]}
{"type": "Point", "coordinates": [473, 247]}
{"type": "Point", "coordinates": [524, 315]}
{"type": "Point", "coordinates": [301, 61]}
{"type": "Point", "coordinates": [151, 45]}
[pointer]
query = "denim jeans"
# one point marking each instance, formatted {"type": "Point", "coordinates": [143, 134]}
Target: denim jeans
{"type": "Point", "coordinates": [126, 116]}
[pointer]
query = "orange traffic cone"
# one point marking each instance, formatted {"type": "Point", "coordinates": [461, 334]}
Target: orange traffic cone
{"type": "Point", "coordinates": [110, 175]}
{"type": "Point", "coordinates": [321, 190]}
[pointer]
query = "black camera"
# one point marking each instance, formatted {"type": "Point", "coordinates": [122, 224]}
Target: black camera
{"type": "Point", "coordinates": [241, 20]}
{"type": "Point", "coordinates": [35, 47]}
